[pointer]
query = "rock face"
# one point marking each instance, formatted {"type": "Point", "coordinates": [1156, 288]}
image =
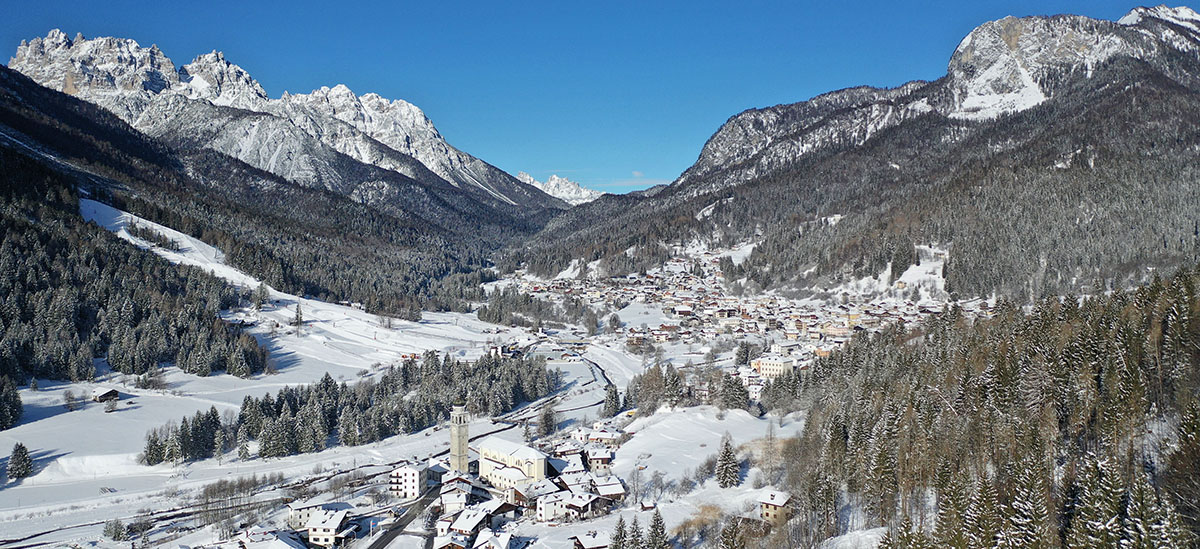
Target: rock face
{"type": "Point", "coordinates": [562, 188]}
{"type": "Point", "coordinates": [304, 138]}
{"type": "Point", "coordinates": [1001, 67]}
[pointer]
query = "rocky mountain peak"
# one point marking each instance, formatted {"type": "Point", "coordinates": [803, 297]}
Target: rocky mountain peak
{"type": "Point", "coordinates": [211, 77]}
{"type": "Point", "coordinates": [108, 65]}
{"type": "Point", "coordinates": [1182, 15]}
{"type": "Point", "coordinates": [562, 188]}
{"type": "Point", "coordinates": [1002, 66]}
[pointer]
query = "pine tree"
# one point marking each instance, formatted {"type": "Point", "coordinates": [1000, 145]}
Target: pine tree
{"type": "Point", "coordinates": [261, 295]}
{"type": "Point", "coordinates": [548, 421]}
{"type": "Point", "coordinates": [1169, 530]}
{"type": "Point", "coordinates": [728, 470]}
{"type": "Point", "coordinates": [951, 528]}
{"type": "Point", "coordinates": [1183, 469]}
{"type": "Point", "coordinates": [656, 535]}
{"type": "Point", "coordinates": [617, 541]}
{"type": "Point", "coordinates": [1028, 520]}
{"type": "Point", "coordinates": [731, 537]}
{"type": "Point", "coordinates": [634, 540]}
{"type": "Point", "coordinates": [983, 517]}
{"type": "Point", "coordinates": [742, 358]}
{"type": "Point", "coordinates": [1141, 513]}
{"type": "Point", "coordinates": [298, 320]}
{"type": "Point", "coordinates": [115, 530]}
{"type": "Point", "coordinates": [20, 465]}
{"type": "Point", "coordinates": [612, 401]}
{"type": "Point", "coordinates": [10, 402]}
{"type": "Point", "coordinates": [906, 536]}
{"type": "Point", "coordinates": [219, 445]}
{"type": "Point", "coordinates": [173, 450]}
{"type": "Point", "coordinates": [1097, 521]}
{"type": "Point", "coordinates": [734, 394]}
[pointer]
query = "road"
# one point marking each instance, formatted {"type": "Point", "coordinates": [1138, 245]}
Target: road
{"type": "Point", "coordinates": [411, 514]}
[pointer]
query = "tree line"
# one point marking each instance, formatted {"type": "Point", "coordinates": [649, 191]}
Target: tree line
{"type": "Point", "coordinates": [408, 397]}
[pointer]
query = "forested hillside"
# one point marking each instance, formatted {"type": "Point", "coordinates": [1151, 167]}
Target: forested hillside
{"type": "Point", "coordinates": [73, 291]}
{"type": "Point", "coordinates": [1077, 424]}
{"type": "Point", "coordinates": [1086, 191]}
{"type": "Point", "coordinates": [300, 240]}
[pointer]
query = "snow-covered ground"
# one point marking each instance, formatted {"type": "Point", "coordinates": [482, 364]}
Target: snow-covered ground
{"type": "Point", "coordinates": [86, 460]}
{"type": "Point", "coordinates": [87, 470]}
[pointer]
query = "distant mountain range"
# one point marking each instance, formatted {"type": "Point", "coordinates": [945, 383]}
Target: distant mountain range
{"type": "Point", "coordinates": [304, 138]}
{"type": "Point", "coordinates": [562, 188]}
{"type": "Point", "coordinates": [1057, 154]}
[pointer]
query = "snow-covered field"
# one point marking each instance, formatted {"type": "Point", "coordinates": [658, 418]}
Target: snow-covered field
{"type": "Point", "coordinates": [86, 468]}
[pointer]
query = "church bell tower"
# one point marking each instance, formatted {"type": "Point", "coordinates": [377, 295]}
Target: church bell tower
{"type": "Point", "coordinates": [459, 460]}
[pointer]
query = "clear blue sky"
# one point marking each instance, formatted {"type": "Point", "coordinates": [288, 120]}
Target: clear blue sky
{"type": "Point", "coordinates": [616, 95]}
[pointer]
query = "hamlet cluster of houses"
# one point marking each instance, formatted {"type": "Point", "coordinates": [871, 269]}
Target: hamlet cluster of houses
{"type": "Point", "coordinates": [697, 309]}
{"type": "Point", "coordinates": [499, 481]}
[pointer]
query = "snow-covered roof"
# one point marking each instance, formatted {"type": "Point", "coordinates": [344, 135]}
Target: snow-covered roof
{"type": "Point", "coordinates": [506, 447]}
{"type": "Point", "coordinates": [452, 540]}
{"type": "Point", "coordinates": [599, 453]}
{"type": "Point", "coordinates": [510, 474]}
{"type": "Point", "coordinates": [592, 540]}
{"type": "Point", "coordinates": [310, 504]}
{"type": "Point", "coordinates": [411, 467]}
{"type": "Point", "coordinates": [773, 497]}
{"type": "Point", "coordinates": [270, 539]}
{"type": "Point", "coordinates": [327, 518]}
{"type": "Point", "coordinates": [541, 488]}
{"type": "Point", "coordinates": [469, 520]}
{"type": "Point", "coordinates": [490, 539]}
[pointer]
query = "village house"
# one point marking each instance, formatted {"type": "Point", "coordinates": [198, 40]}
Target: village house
{"type": "Point", "coordinates": [599, 461]}
{"type": "Point", "coordinates": [570, 506]}
{"type": "Point", "coordinates": [492, 539]}
{"type": "Point", "coordinates": [325, 526]}
{"type": "Point", "coordinates": [591, 540]}
{"type": "Point", "coordinates": [773, 506]}
{"type": "Point", "coordinates": [299, 513]}
{"type": "Point", "coordinates": [104, 394]}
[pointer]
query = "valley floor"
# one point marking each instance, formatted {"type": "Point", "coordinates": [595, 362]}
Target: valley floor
{"type": "Point", "coordinates": [86, 460]}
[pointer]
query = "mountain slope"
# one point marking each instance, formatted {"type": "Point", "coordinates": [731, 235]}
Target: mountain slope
{"type": "Point", "coordinates": [298, 239]}
{"type": "Point", "coordinates": [302, 138]}
{"type": "Point", "coordinates": [1095, 180]}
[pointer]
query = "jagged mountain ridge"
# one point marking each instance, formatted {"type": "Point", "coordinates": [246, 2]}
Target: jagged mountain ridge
{"type": "Point", "coordinates": [771, 175]}
{"type": "Point", "coordinates": [301, 137]}
{"type": "Point", "coordinates": [296, 238]}
{"type": "Point", "coordinates": [562, 188]}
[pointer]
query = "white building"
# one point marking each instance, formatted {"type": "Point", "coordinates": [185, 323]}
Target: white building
{"type": "Point", "coordinates": [408, 481]}
{"type": "Point", "coordinates": [508, 464]}
{"type": "Point", "coordinates": [771, 365]}
{"type": "Point", "coordinates": [324, 525]}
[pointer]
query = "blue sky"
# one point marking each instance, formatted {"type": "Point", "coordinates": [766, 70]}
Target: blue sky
{"type": "Point", "coordinates": [616, 95]}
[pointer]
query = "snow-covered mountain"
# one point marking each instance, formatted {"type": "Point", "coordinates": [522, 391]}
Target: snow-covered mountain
{"type": "Point", "coordinates": [1001, 67]}
{"type": "Point", "coordinates": [562, 188]}
{"type": "Point", "coordinates": [211, 102]}
{"type": "Point", "coordinates": [1028, 159]}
